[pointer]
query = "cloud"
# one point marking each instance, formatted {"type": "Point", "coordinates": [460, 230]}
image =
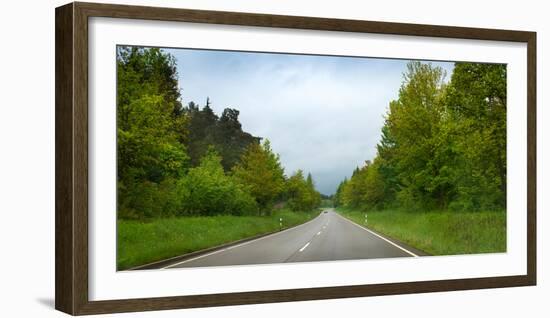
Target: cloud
{"type": "Point", "coordinates": [322, 114]}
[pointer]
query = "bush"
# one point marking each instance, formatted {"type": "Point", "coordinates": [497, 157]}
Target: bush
{"type": "Point", "coordinates": [148, 199]}
{"type": "Point", "coordinates": [206, 190]}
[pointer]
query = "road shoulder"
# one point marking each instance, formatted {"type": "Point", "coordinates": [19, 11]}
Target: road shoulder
{"type": "Point", "coordinates": [188, 256]}
{"type": "Point", "coordinates": [402, 245]}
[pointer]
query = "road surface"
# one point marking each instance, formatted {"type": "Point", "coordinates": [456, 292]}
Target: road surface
{"type": "Point", "coordinates": [327, 237]}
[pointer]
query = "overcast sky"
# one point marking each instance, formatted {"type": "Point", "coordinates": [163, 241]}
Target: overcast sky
{"type": "Point", "coordinates": [322, 114]}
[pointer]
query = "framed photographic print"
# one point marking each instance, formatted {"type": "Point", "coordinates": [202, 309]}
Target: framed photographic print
{"type": "Point", "coordinates": [210, 158]}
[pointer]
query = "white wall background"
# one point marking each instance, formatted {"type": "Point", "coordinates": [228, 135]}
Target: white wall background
{"type": "Point", "coordinates": [27, 158]}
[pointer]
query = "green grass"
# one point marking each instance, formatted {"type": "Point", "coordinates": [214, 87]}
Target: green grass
{"type": "Point", "coordinates": [142, 242]}
{"type": "Point", "coordinates": [439, 232]}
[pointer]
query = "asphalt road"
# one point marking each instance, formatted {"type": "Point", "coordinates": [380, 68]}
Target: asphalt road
{"type": "Point", "coordinates": [327, 237]}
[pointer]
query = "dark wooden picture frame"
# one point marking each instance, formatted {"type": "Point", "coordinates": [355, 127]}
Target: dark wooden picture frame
{"type": "Point", "coordinates": [71, 155]}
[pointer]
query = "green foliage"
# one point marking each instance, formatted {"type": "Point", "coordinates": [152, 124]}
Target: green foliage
{"type": "Point", "coordinates": [326, 203]}
{"type": "Point", "coordinates": [150, 155]}
{"type": "Point", "coordinates": [301, 193]}
{"type": "Point", "coordinates": [443, 146]}
{"type": "Point", "coordinates": [207, 190]}
{"type": "Point", "coordinates": [187, 179]}
{"type": "Point", "coordinates": [413, 123]}
{"type": "Point", "coordinates": [182, 161]}
{"type": "Point", "coordinates": [476, 100]}
{"type": "Point", "coordinates": [364, 189]}
{"type": "Point", "coordinates": [261, 173]}
{"type": "Point", "coordinates": [338, 195]}
{"type": "Point", "coordinates": [224, 133]}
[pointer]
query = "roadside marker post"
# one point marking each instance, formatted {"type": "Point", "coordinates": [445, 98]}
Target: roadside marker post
{"type": "Point", "coordinates": [365, 218]}
{"type": "Point", "coordinates": [280, 224]}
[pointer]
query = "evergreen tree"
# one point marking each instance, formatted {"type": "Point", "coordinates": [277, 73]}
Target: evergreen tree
{"type": "Point", "coordinates": [224, 133]}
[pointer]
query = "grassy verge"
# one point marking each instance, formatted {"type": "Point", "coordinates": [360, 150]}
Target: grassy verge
{"type": "Point", "coordinates": [142, 242]}
{"type": "Point", "coordinates": [439, 232]}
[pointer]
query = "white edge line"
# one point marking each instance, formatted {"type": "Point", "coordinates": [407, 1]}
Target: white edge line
{"type": "Point", "coordinates": [385, 239]}
{"type": "Point", "coordinates": [304, 247]}
{"type": "Point", "coordinates": [238, 245]}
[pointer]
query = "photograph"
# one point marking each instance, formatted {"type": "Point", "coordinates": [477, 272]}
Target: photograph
{"type": "Point", "coordinates": [240, 158]}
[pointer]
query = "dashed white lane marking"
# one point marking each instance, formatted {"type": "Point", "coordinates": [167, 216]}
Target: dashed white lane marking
{"type": "Point", "coordinates": [305, 246]}
{"type": "Point", "coordinates": [239, 245]}
{"type": "Point", "coordinates": [319, 233]}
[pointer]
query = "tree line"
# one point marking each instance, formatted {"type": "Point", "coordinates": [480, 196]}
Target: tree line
{"type": "Point", "coordinates": [443, 144]}
{"type": "Point", "coordinates": [176, 160]}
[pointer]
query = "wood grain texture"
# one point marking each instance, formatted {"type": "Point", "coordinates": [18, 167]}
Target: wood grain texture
{"type": "Point", "coordinates": [80, 156]}
{"type": "Point", "coordinates": [64, 235]}
{"type": "Point", "coordinates": [229, 299]}
{"type": "Point", "coordinates": [297, 22]}
{"type": "Point", "coordinates": [532, 158]}
{"type": "Point", "coordinates": [72, 157]}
